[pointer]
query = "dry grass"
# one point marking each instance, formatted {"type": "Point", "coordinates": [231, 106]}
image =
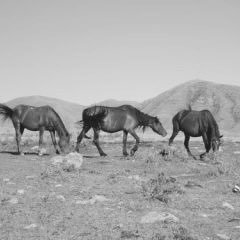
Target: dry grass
{"type": "Point", "coordinates": [57, 204]}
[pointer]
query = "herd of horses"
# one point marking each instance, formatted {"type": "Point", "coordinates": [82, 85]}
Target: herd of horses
{"type": "Point", "coordinates": [124, 118]}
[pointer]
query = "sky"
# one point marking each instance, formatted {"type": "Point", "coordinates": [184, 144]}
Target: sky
{"type": "Point", "coordinates": [89, 51]}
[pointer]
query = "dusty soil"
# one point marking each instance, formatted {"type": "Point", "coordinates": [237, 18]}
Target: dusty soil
{"type": "Point", "coordinates": [109, 197]}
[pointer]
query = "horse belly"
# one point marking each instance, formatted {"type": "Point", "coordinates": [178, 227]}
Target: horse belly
{"type": "Point", "coordinates": [191, 130]}
{"type": "Point", "coordinates": [31, 122]}
{"type": "Point", "coordinates": [112, 124]}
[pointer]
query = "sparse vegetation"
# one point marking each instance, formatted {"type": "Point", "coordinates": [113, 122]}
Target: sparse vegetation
{"type": "Point", "coordinates": [108, 201]}
{"type": "Point", "coordinates": [161, 187]}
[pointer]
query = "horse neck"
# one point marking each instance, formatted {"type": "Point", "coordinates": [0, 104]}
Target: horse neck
{"type": "Point", "coordinates": [143, 119]}
{"type": "Point", "coordinates": [60, 129]}
{"type": "Point", "coordinates": [215, 131]}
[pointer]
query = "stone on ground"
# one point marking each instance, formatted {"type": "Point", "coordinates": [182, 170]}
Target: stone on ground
{"type": "Point", "coordinates": [69, 162]}
{"type": "Point", "coordinates": [154, 216]}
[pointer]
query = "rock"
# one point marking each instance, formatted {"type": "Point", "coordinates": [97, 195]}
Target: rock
{"type": "Point", "coordinates": [204, 215]}
{"type": "Point", "coordinates": [61, 198]}
{"type": "Point", "coordinates": [21, 191]}
{"type": "Point", "coordinates": [42, 151]}
{"type": "Point", "coordinates": [58, 185]}
{"type": "Point", "coordinates": [13, 200]}
{"type": "Point", "coordinates": [11, 183]}
{"type": "Point", "coordinates": [227, 205]}
{"type": "Point", "coordinates": [30, 177]}
{"type": "Point", "coordinates": [135, 177]}
{"type": "Point", "coordinates": [35, 148]}
{"type": "Point", "coordinates": [236, 152]}
{"type": "Point", "coordinates": [33, 225]}
{"type": "Point", "coordinates": [57, 159]}
{"type": "Point", "coordinates": [192, 184]}
{"type": "Point", "coordinates": [96, 198]}
{"type": "Point", "coordinates": [74, 159]}
{"type": "Point", "coordinates": [236, 189]}
{"type": "Point", "coordinates": [6, 180]}
{"type": "Point", "coordinates": [152, 217]}
{"type": "Point", "coordinates": [223, 236]}
{"type": "Point", "coordinates": [69, 162]}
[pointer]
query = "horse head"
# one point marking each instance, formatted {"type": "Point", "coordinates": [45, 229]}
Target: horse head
{"type": "Point", "coordinates": [157, 127]}
{"type": "Point", "coordinates": [64, 143]}
{"type": "Point", "coordinates": [216, 143]}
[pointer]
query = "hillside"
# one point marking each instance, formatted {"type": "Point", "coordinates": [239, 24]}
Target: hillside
{"type": "Point", "coordinates": [222, 100]}
{"type": "Point", "coordinates": [115, 103]}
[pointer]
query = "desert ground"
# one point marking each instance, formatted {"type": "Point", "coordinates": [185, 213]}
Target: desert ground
{"type": "Point", "coordinates": [148, 196]}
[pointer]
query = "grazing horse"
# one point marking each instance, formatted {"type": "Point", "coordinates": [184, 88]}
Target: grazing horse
{"type": "Point", "coordinates": [195, 124]}
{"type": "Point", "coordinates": [37, 119]}
{"type": "Point", "coordinates": [125, 118]}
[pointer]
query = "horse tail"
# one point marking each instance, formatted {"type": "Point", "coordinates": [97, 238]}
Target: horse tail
{"type": "Point", "coordinates": [80, 123]}
{"type": "Point", "coordinates": [6, 112]}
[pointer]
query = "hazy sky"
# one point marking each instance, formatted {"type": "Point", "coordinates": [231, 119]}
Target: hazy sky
{"type": "Point", "coordinates": [88, 51]}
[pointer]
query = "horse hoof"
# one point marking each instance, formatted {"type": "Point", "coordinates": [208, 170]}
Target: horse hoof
{"type": "Point", "coordinates": [103, 154]}
{"type": "Point", "coordinates": [132, 153]}
{"type": "Point", "coordinates": [125, 154]}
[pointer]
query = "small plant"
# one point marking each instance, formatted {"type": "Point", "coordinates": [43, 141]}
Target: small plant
{"type": "Point", "coordinates": [161, 187]}
{"type": "Point", "coordinates": [158, 236]}
{"type": "Point", "coordinates": [181, 233]}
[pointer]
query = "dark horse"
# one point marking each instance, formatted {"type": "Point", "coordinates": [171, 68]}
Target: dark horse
{"type": "Point", "coordinates": [196, 124]}
{"type": "Point", "coordinates": [37, 119]}
{"type": "Point", "coordinates": [113, 119]}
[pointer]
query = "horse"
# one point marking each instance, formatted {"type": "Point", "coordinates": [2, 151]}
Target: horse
{"type": "Point", "coordinates": [124, 118]}
{"type": "Point", "coordinates": [37, 119]}
{"type": "Point", "coordinates": [196, 124]}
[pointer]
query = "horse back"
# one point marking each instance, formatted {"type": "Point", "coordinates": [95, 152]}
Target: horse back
{"type": "Point", "coordinates": [33, 118]}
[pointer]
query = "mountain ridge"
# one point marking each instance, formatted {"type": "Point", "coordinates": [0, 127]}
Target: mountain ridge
{"type": "Point", "coordinates": [221, 99]}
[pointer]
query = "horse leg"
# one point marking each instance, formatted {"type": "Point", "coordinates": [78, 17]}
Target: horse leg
{"type": "Point", "coordinates": [206, 144]}
{"type": "Point", "coordinates": [41, 131]}
{"type": "Point", "coordinates": [80, 137]}
{"type": "Point", "coordinates": [96, 142]}
{"type": "Point", "coordinates": [19, 130]}
{"type": "Point", "coordinates": [174, 133]}
{"type": "Point", "coordinates": [54, 142]}
{"type": "Point", "coordinates": [135, 147]}
{"type": "Point", "coordinates": [186, 144]}
{"type": "Point", "coordinates": [125, 133]}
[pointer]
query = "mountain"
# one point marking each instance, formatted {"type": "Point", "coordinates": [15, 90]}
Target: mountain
{"type": "Point", "coordinates": [222, 100]}
{"type": "Point", "coordinates": [69, 112]}
{"type": "Point", "coordinates": [115, 103]}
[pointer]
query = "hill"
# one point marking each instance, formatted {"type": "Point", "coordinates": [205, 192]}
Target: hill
{"type": "Point", "coordinates": [115, 103]}
{"type": "Point", "coordinates": [222, 100]}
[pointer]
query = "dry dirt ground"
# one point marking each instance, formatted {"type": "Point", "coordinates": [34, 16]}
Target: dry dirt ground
{"type": "Point", "coordinates": [121, 198]}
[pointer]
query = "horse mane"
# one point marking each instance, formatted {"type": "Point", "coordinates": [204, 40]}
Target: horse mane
{"type": "Point", "coordinates": [189, 107]}
{"type": "Point", "coordinates": [213, 124]}
{"type": "Point", "coordinates": [143, 118]}
{"type": "Point", "coordinates": [60, 127]}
